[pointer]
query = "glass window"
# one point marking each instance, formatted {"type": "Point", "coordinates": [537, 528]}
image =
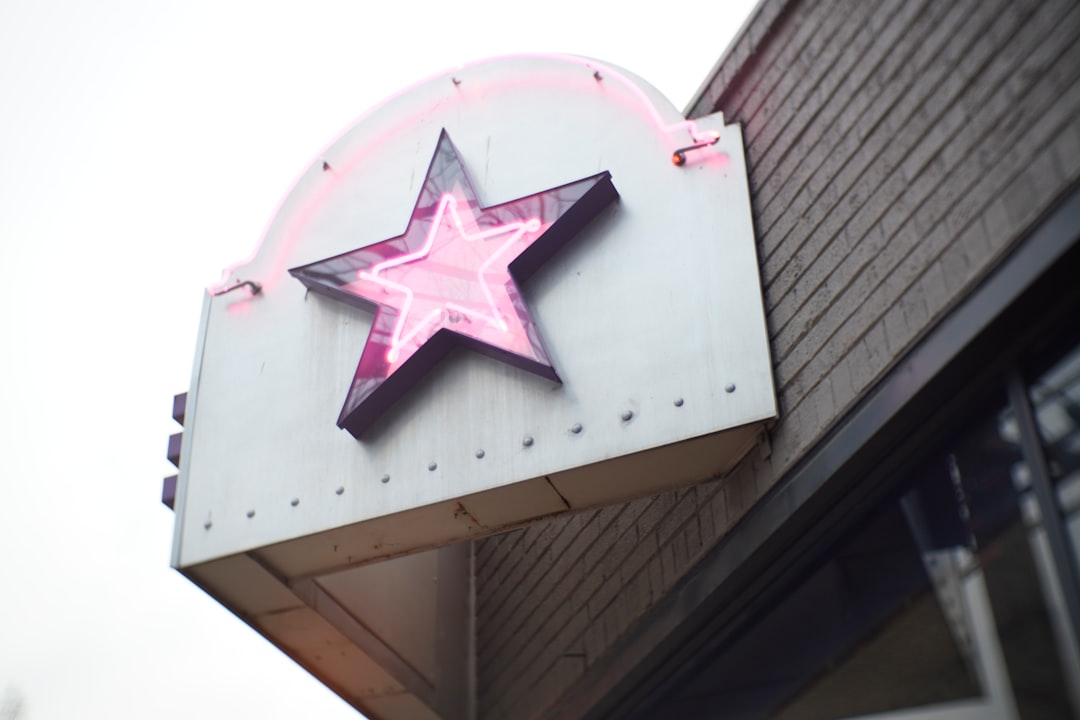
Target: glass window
{"type": "Point", "coordinates": [878, 622]}
{"type": "Point", "coordinates": [941, 602]}
{"type": "Point", "coordinates": [1055, 397]}
{"type": "Point", "coordinates": [1008, 538]}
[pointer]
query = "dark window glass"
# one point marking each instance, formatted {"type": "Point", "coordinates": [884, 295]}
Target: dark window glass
{"type": "Point", "coordinates": [995, 482]}
{"type": "Point", "coordinates": [946, 594]}
{"type": "Point", "coordinates": [1055, 397]}
{"type": "Point", "coordinates": [871, 627]}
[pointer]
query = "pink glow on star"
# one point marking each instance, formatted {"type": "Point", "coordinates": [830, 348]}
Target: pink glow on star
{"type": "Point", "coordinates": [441, 301]}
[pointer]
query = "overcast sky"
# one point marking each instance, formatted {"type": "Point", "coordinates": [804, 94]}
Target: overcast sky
{"type": "Point", "coordinates": [144, 147]}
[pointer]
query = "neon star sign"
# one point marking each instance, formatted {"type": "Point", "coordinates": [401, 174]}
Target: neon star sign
{"type": "Point", "coordinates": [451, 279]}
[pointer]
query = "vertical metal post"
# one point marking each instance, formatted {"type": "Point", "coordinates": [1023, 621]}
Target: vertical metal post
{"type": "Point", "coordinates": [1061, 550]}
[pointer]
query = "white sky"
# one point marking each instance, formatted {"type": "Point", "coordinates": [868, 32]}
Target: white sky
{"type": "Point", "coordinates": [144, 147]}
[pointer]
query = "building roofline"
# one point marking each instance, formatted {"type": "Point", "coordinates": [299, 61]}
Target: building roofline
{"type": "Point", "coordinates": [757, 27]}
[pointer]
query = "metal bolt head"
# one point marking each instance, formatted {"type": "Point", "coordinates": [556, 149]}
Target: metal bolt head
{"type": "Point", "coordinates": [340, 490]}
{"type": "Point", "coordinates": [207, 525]}
{"type": "Point", "coordinates": [730, 388]}
{"type": "Point", "coordinates": [385, 479]}
{"type": "Point", "coordinates": [251, 513]}
{"type": "Point", "coordinates": [627, 415]}
{"type": "Point", "coordinates": [575, 428]}
{"type": "Point", "coordinates": [294, 502]}
{"type": "Point", "coordinates": [480, 454]}
{"type": "Point", "coordinates": [527, 441]}
{"type": "Point", "coordinates": [678, 402]}
{"type": "Point", "coordinates": [432, 465]}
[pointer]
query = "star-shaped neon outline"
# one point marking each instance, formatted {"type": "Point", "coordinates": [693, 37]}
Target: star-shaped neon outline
{"type": "Point", "coordinates": [447, 201]}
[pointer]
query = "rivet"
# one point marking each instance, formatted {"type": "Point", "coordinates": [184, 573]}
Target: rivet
{"type": "Point", "coordinates": [294, 502]}
{"type": "Point", "coordinates": [575, 428]}
{"type": "Point", "coordinates": [432, 465]}
{"type": "Point", "coordinates": [385, 479]}
{"type": "Point", "coordinates": [480, 454]}
{"type": "Point", "coordinates": [627, 415]}
{"type": "Point", "coordinates": [207, 525]}
{"type": "Point", "coordinates": [341, 489]}
{"type": "Point", "coordinates": [730, 388]}
{"type": "Point", "coordinates": [251, 513]}
{"type": "Point", "coordinates": [678, 402]}
{"type": "Point", "coordinates": [527, 441]}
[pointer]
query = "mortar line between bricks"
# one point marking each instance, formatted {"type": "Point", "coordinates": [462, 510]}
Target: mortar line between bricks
{"type": "Point", "coordinates": [785, 56]}
{"type": "Point", "coordinates": [501, 615]}
{"type": "Point", "coordinates": [505, 614]}
{"type": "Point", "coordinates": [761, 24]}
{"type": "Point", "coordinates": [828, 278]}
{"type": "Point", "coordinates": [493, 689]}
{"type": "Point", "coordinates": [896, 171]}
{"type": "Point", "coordinates": [631, 526]}
{"type": "Point", "coordinates": [788, 34]}
{"type": "Point", "coordinates": [975, 141]}
{"type": "Point", "coordinates": [541, 670]}
{"type": "Point", "coordinates": [689, 498]}
{"type": "Point", "coordinates": [871, 120]}
{"type": "Point", "coordinates": [884, 112]}
{"type": "Point", "coordinates": [889, 64]}
{"type": "Point", "coordinates": [506, 548]}
{"type": "Point", "coordinates": [986, 269]}
{"type": "Point", "coordinates": [496, 594]}
{"type": "Point", "coordinates": [492, 584]}
{"type": "Point", "coordinates": [492, 679]}
{"type": "Point", "coordinates": [772, 159]}
{"type": "Point", "coordinates": [494, 591]}
{"type": "Point", "coordinates": [784, 89]}
{"type": "Point", "coordinates": [598, 518]}
{"type": "Point", "coordinates": [497, 625]}
{"type": "Point", "coordinates": [977, 217]}
{"type": "Point", "coordinates": [802, 93]}
{"type": "Point", "coordinates": [885, 53]}
{"type": "Point", "coordinates": [495, 562]}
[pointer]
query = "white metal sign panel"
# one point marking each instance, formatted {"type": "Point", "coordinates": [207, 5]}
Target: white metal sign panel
{"type": "Point", "coordinates": [648, 311]}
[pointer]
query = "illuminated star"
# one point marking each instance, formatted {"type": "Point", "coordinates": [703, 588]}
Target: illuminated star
{"type": "Point", "coordinates": [451, 278]}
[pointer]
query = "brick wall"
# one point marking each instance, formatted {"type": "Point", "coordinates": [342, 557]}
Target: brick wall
{"type": "Point", "coordinates": [896, 151]}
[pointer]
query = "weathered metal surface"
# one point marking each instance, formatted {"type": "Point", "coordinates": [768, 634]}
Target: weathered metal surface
{"type": "Point", "coordinates": [658, 299]}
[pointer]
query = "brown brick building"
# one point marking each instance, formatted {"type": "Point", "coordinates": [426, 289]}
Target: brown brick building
{"type": "Point", "coordinates": [905, 538]}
